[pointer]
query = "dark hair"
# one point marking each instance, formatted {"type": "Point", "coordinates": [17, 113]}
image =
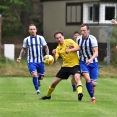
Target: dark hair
{"type": "Point", "coordinates": [57, 32]}
{"type": "Point", "coordinates": [76, 32]}
{"type": "Point", "coordinates": [85, 25]}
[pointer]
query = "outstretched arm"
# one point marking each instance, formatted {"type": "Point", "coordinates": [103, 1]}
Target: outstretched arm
{"type": "Point", "coordinates": [54, 52]}
{"type": "Point", "coordinates": [73, 49]}
{"type": "Point", "coordinates": [22, 52]}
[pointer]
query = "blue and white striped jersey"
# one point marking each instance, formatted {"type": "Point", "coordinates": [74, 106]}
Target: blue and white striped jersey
{"type": "Point", "coordinates": [35, 48]}
{"type": "Point", "coordinates": [86, 46]}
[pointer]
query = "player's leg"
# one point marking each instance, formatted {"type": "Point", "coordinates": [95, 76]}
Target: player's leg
{"type": "Point", "coordinates": [40, 77]}
{"type": "Point", "coordinates": [33, 71]}
{"type": "Point", "coordinates": [85, 73]}
{"type": "Point", "coordinates": [94, 75]}
{"type": "Point", "coordinates": [76, 73]}
{"type": "Point", "coordinates": [51, 88]}
{"type": "Point", "coordinates": [62, 74]}
{"type": "Point", "coordinates": [40, 70]}
{"type": "Point", "coordinates": [73, 83]}
{"type": "Point", "coordinates": [79, 86]}
{"type": "Point", "coordinates": [89, 85]}
{"type": "Point", "coordinates": [39, 83]}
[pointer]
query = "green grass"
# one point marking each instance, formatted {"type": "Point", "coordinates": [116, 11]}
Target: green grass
{"type": "Point", "coordinates": [18, 99]}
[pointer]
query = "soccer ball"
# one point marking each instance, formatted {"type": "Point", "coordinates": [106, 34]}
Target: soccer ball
{"type": "Point", "coordinates": [48, 59]}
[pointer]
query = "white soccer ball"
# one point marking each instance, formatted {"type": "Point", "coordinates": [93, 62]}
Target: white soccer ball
{"type": "Point", "coordinates": [48, 59]}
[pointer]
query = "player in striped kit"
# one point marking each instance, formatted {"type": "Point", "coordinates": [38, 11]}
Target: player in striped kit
{"type": "Point", "coordinates": [35, 44]}
{"type": "Point", "coordinates": [88, 59]}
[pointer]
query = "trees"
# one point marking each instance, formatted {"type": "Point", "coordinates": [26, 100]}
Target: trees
{"type": "Point", "coordinates": [17, 15]}
{"type": "Point", "coordinates": [113, 42]}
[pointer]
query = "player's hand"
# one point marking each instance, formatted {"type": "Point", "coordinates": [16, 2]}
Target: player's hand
{"type": "Point", "coordinates": [113, 21]}
{"type": "Point", "coordinates": [54, 51]}
{"type": "Point", "coordinates": [18, 60]}
{"type": "Point", "coordinates": [68, 51]}
{"type": "Point", "coordinates": [88, 62]}
{"type": "Point", "coordinates": [71, 46]}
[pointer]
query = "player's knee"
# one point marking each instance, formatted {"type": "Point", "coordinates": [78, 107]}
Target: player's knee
{"type": "Point", "coordinates": [87, 79]}
{"type": "Point", "coordinates": [34, 74]}
{"type": "Point", "coordinates": [94, 83]}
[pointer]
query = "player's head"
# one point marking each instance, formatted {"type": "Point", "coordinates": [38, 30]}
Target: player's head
{"type": "Point", "coordinates": [32, 30]}
{"type": "Point", "coordinates": [84, 30]}
{"type": "Point", "coordinates": [75, 35]}
{"type": "Point", "coordinates": [59, 37]}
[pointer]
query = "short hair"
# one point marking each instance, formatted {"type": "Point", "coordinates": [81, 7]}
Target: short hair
{"type": "Point", "coordinates": [57, 32]}
{"type": "Point", "coordinates": [32, 25]}
{"type": "Point", "coordinates": [85, 25]}
{"type": "Point", "coordinates": [76, 32]}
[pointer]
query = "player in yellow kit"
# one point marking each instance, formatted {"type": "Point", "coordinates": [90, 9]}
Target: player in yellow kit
{"type": "Point", "coordinates": [69, 67]}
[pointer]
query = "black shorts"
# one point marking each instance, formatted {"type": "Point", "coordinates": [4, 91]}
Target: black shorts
{"type": "Point", "coordinates": [65, 72]}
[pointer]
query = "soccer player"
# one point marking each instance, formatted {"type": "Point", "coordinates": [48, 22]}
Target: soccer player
{"type": "Point", "coordinates": [35, 43]}
{"type": "Point", "coordinates": [75, 35]}
{"type": "Point", "coordinates": [88, 59]}
{"type": "Point", "coordinates": [73, 82]}
{"type": "Point", "coordinates": [69, 67]}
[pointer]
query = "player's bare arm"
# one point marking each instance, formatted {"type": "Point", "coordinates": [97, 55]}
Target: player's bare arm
{"type": "Point", "coordinates": [22, 52]}
{"type": "Point", "coordinates": [46, 50]}
{"type": "Point", "coordinates": [73, 49]}
{"type": "Point", "coordinates": [54, 52]}
{"type": "Point", "coordinates": [95, 50]}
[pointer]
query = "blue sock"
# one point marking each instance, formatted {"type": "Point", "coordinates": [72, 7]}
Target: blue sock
{"type": "Point", "coordinates": [35, 82]}
{"type": "Point", "coordinates": [74, 87]}
{"type": "Point", "coordinates": [90, 89]}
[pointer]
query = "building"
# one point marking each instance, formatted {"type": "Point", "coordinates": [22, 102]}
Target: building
{"type": "Point", "coordinates": [68, 15]}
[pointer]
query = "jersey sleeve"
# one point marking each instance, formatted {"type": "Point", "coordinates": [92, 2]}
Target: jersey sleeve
{"type": "Point", "coordinates": [78, 40]}
{"type": "Point", "coordinates": [94, 42]}
{"type": "Point", "coordinates": [43, 41]}
{"type": "Point", "coordinates": [25, 43]}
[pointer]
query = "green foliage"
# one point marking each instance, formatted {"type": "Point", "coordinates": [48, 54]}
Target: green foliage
{"type": "Point", "coordinates": [13, 22]}
{"type": "Point", "coordinates": [113, 34]}
{"type": "Point", "coordinates": [2, 60]}
{"type": "Point", "coordinates": [36, 20]}
{"type": "Point", "coordinates": [113, 42]}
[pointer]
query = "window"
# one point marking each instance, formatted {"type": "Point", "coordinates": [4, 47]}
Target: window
{"type": "Point", "coordinates": [109, 12]}
{"type": "Point", "coordinates": [73, 13]}
{"type": "Point", "coordinates": [90, 12]}
{"type": "Point", "coordinates": [98, 13]}
{"type": "Point", "coordinates": [93, 13]}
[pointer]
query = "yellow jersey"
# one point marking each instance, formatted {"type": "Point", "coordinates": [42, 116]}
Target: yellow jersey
{"type": "Point", "coordinates": [71, 59]}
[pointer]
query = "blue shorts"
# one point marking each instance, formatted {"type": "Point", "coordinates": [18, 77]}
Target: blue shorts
{"type": "Point", "coordinates": [36, 67]}
{"type": "Point", "coordinates": [92, 69]}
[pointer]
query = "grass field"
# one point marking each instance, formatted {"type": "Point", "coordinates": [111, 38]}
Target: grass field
{"type": "Point", "coordinates": [18, 99]}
